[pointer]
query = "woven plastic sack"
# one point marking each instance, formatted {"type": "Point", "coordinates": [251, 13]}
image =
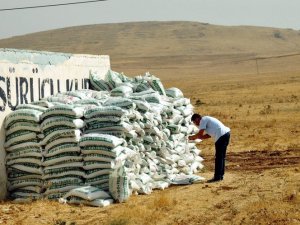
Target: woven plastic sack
{"type": "Point", "coordinates": [62, 121]}
{"type": "Point", "coordinates": [95, 203]}
{"type": "Point", "coordinates": [113, 78]}
{"type": "Point", "coordinates": [62, 158]}
{"type": "Point", "coordinates": [119, 185]}
{"type": "Point", "coordinates": [22, 115]}
{"type": "Point", "coordinates": [61, 141]}
{"type": "Point", "coordinates": [119, 102]}
{"type": "Point", "coordinates": [63, 148]}
{"type": "Point", "coordinates": [61, 98]}
{"type": "Point", "coordinates": [174, 92]}
{"type": "Point", "coordinates": [31, 107]}
{"type": "Point", "coordinates": [99, 84]}
{"type": "Point", "coordinates": [122, 91]}
{"type": "Point", "coordinates": [21, 153]}
{"type": "Point", "coordinates": [28, 126]}
{"type": "Point", "coordinates": [24, 146]}
{"type": "Point", "coordinates": [58, 134]}
{"type": "Point", "coordinates": [101, 111]}
{"type": "Point", "coordinates": [95, 139]}
{"type": "Point", "coordinates": [63, 110]}
{"type": "Point", "coordinates": [19, 137]}
{"type": "Point", "coordinates": [158, 86]}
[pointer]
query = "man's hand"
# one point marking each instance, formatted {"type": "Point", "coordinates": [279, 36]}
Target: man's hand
{"type": "Point", "coordinates": [205, 136]}
{"type": "Point", "coordinates": [199, 135]}
{"type": "Point", "coordinates": [192, 137]}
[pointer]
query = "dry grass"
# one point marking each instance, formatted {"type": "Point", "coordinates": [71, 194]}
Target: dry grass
{"type": "Point", "coordinates": [261, 109]}
{"type": "Point", "coordinates": [151, 213]}
{"type": "Point", "coordinates": [261, 115]}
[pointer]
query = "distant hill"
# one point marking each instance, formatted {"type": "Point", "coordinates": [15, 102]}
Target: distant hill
{"type": "Point", "coordinates": [151, 39]}
{"type": "Point", "coordinates": [174, 48]}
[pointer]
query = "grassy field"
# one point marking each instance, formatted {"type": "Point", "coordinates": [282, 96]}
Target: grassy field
{"type": "Point", "coordinates": [261, 110]}
{"type": "Point", "coordinates": [258, 98]}
{"type": "Point", "coordinates": [260, 106]}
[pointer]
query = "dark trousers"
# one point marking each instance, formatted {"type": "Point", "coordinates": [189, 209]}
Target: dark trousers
{"type": "Point", "coordinates": [221, 146]}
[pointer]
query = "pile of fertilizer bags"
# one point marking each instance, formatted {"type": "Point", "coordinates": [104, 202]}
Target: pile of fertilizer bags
{"type": "Point", "coordinates": [126, 136]}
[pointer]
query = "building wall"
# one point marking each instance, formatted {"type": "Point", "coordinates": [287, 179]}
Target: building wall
{"type": "Point", "coordinates": [27, 76]}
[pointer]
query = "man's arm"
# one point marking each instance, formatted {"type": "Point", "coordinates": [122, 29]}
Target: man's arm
{"type": "Point", "coordinates": [199, 135]}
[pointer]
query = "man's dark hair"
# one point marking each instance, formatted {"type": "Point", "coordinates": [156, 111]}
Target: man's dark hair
{"type": "Point", "coordinates": [196, 116]}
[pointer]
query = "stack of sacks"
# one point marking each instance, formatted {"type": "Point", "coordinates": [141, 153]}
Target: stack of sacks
{"type": "Point", "coordinates": [62, 163]}
{"type": "Point", "coordinates": [63, 125]}
{"type": "Point", "coordinates": [129, 135]}
{"type": "Point", "coordinates": [87, 195]}
{"type": "Point", "coordinates": [106, 119]}
{"type": "Point", "coordinates": [180, 125]}
{"type": "Point", "coordinates": [157, 124]}
{"type": "Point", "coordinates": [101, 154]}
{"type": "Point", "coordinates": [165, 152]}
{"type": "Point", "coordinates": [24, 153]}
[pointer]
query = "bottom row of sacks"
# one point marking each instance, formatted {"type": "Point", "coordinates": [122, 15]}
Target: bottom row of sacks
{"type": "Point", "coordinates": [119, 190]}
{"type": "Point", "coordinates": [88, 195]}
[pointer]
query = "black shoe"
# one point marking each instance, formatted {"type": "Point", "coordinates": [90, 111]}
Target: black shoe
{"type": "Point", "coordinates": [215, 179]}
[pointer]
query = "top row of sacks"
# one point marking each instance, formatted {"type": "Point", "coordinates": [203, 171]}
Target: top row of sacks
{"type": "Point", "coordinates": [121, 85]}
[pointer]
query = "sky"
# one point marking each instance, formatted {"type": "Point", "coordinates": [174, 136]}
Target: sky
{"type": "Point", "coordinates": [267, 13]}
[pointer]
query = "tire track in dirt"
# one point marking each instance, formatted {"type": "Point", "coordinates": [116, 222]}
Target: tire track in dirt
{"type": "Point", "coordinates": [258, 161]}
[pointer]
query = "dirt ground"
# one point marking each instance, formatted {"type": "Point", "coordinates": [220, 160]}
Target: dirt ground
{"type": "Point", "coordinates": [260, 187]}
{"type": "Point", "coordinates": [262, 179]}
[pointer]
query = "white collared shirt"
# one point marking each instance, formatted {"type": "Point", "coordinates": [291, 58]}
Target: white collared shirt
{"type": "Point", "coordinates": [213, 127]}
